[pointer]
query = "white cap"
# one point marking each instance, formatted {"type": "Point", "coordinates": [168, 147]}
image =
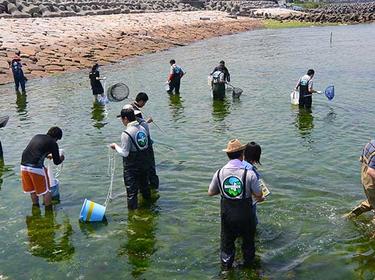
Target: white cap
{"type": "Point", "coordinates": [129, 106]}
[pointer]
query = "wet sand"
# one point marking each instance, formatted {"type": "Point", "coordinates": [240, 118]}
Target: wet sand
{"type": "Point", "coordinates": [55, 45]}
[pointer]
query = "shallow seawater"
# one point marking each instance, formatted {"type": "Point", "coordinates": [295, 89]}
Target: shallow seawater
{"type": "Point", "coordinates": [310, 161]}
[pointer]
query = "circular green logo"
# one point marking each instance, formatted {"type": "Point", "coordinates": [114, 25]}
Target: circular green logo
{"type": "Point", "coordinates": [141, 139]}
{"type": "Point", "coordinates": [233, 186]}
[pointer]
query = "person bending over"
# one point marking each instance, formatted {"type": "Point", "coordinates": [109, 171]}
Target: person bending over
{"type": "Point", "coordinates": [34, 175]}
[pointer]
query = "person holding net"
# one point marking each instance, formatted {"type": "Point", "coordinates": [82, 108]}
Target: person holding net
{"type": "Point", "coordinates": [219, 77]}
{"type": "Point", "coordinates": [96, 85]}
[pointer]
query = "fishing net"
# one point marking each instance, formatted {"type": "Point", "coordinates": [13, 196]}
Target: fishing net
{"type": "Point", "coordinates": [117, 92]}
{"type": "Point", "coordinates": [330, 92]}
{"type": "Point", "coordinates": [236, 91]}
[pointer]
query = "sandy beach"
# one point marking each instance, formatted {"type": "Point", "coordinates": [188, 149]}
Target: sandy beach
{"type": "Point", "coordinates": [55, 45]}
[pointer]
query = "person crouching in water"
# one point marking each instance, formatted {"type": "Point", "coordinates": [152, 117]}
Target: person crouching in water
{"type": "Point", "coordinates": [34, 175]}
{"type": "Point", "coordinates": [236, 186]}
{"type": "Point", "coordinates": [96, 85]}
{"type": "Point", "coordinates": [174, 77]}
{"type": "Point", "coordinates": [134, 149]}
{"type": "Point", "coordinates": [251, 157]}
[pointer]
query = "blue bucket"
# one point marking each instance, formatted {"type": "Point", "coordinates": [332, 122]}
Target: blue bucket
{"type": "Point", "coordinates": [91, 212]}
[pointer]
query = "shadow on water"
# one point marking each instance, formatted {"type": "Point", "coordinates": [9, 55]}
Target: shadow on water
{"type": "Point", "coordinates": [141, 239]}
{"type": "Point", "coordinates": [47, 239]}
{"type": "Point", "coordinates": [304, 123]}
{"type": "Point", "coordinates": [98, 114]}
{"type": "Point", "coordinates": [21, 105]}
{"type": "Point", "coordinates": [220, 109]}
{"type": "Point", "coordinates": [176, 106]}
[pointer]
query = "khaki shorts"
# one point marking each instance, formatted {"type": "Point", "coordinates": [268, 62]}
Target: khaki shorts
{"type": "Point", "coordinates": [35, 180]}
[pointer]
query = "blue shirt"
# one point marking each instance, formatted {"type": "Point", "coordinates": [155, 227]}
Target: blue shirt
{"type": "Point", "coordinates": [249, 166]}
{"type": "Point", "coordinates": [367, 151]}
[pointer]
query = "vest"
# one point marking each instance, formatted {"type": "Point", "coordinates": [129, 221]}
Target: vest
{"type": "Point", "coordinates": [138, 153]}
{"type": "Point", "coordinates": [304, 88]}
{"type": "Point", "coordinates": [218, 77]}
{"type": "Point", "coordinates": [367, 181]}
{"type": "Point", "coordinates": [232, 187]}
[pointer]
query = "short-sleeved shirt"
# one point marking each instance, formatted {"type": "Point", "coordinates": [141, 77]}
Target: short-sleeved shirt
{"type": "Point", "coordinates": [176, 72]}
{"type": "Point", "coordinates": [36, 151]}
{"type": "Point", "coordinates": [306, 79]}
{"type": "Point", "coordinates": [235, 168]}
{"type": "Point", "coordinates": [367, 151]}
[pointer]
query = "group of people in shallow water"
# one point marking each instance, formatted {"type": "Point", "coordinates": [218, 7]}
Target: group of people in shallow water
{"type": "Point", "coordinates": [238, 182]}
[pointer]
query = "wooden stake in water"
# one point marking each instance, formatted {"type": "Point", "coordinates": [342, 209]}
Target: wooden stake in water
{"type": "Point", "coordinates": [330, 41]}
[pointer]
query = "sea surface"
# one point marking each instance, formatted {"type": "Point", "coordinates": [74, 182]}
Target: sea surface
{"type": "Point", "coordinates": [309, 160]}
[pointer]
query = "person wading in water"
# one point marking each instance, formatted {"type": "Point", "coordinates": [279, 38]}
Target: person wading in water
{"type": "Point", "coordinates": [236, 186]}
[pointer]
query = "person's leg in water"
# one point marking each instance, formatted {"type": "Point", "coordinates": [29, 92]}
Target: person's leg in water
{"type": "Point", "coordinates": [171, 87]}
{"type": "Point", "coordinates": [23, 84]}
{"type": "Point", "coordinates": [227, 247]}
{"type": "Point", "coordinates": [153, 177]}
{"type": "Point", "coordinates": [17, 83]}
{"type": "Point", "coordinates": [177, 84]}
{"type": "Point", "coordinates": [47, 199]}
{"type": "Point", "coordinates": [131, 186]}
{"type": "Point", "coordinates": [142, 182]}
{"type": "Point", "coordinates": [366, 205]}
{"type": "Point", "coordinates": [248, 244]}
{"type": "Point", "coordinates": [34, 199]}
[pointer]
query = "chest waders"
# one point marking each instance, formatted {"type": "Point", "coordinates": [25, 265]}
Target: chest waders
{"type": "Point", "coordinates": [305, 98]}
{"type": "Point", "coordinates": [136, 174]}
{"type": "Point", "coordinates": [237, 220]}
{"type": "Point", "coordinates": [368, 184]}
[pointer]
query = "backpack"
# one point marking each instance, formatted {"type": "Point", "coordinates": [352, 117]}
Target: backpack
{"type": "Point", "coordinates": [218, 77]}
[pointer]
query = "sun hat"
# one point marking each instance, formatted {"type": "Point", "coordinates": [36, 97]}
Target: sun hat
{"type": "Point", "coordinates": [234, 145]}
{"type": "Point", "coordinates": [129, 106]}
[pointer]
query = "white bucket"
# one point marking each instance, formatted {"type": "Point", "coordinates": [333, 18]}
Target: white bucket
{"type": "Point", "coordinates": [294, 97]}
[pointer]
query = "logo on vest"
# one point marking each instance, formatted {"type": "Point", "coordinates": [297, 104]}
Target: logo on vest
{"type": "Point", "coordinates": [232, 186]}
{"type": "Point", "coordinates": [141, 138]}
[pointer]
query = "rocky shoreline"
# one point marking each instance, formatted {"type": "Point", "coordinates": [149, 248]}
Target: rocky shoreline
{"type": "Point", "coordinates": [350, 13]}
{"type": "Point", "coordinates": [55, 45]}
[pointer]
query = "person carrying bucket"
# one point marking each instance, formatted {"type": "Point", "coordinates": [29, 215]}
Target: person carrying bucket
{"type": "Point", "coordinates": [368, 180]}
{"type": "Point", "coordinates": [236, 185]}
{"type": "Point", "coordinates": [34, 176]}
{"type": "Point", "coordinates": [305, 86]}
{"type": "Point", "coordinates": [134, 150]}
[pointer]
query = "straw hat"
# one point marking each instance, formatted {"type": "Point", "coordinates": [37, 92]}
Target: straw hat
{"type": "Point", "coordinates": [234, 145]}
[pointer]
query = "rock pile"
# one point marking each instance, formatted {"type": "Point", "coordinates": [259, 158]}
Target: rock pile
{"type": "Point", "coordinates": [333, 13]}
{"type": "Point", "coordinates": [239, 8]}
{"type": "Point", "coordinates": [64, 8]}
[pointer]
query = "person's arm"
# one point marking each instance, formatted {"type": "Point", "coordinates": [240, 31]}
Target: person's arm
{"type": "Point", "coordinates": [213, 189]}
{"type": "Point", "coordinates": [371, 172]}
{"type": "Point", "coordinates": [255, 187]}
{"type": "Point", "coordinates": [310, 87]}
{"type": "Point", "coordinates": [215, 69]}
{"type": "Point", "coordinates": [170, 76]}
{"type": "Point", "coordinates": [228, 76]}
{"type": "Point", "coordinates": [124, 149]}
{"type": "Point", "coordinates": [297, 85]}
{"type": "Point", "coordinates": [57, 159]}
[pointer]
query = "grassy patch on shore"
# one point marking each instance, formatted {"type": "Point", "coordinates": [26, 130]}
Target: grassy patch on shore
{"type": "Point", "coordinates": [308, 5]}
{"type": "Point", "coordinates": [275, 24]}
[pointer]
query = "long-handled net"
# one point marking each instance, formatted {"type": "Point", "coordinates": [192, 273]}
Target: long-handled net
{"type": "Point", "coordinates": [330, 92]}
{"type": "Point", "coordinates": [118, 92]}
{"type": "Point", "coordinates": [236, 91]}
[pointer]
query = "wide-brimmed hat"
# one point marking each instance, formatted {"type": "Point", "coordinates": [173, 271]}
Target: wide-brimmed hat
{"type": "Point", "coordinates": [234, 145]}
